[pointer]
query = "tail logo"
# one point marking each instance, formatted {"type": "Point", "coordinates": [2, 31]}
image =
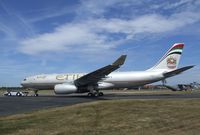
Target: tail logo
{"type": "Point", "coordinates": [171, 63]}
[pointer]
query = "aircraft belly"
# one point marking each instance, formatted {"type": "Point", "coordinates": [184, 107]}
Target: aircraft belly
{"type": "Point", "coordinates": [41, 86]}
{"type": "Point", "coordinates": [132, 81]}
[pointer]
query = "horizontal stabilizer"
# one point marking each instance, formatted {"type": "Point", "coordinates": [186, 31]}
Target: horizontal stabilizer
{"type": "Point", "coordinates": [171, 88]}
{"type": "Point", "coordinates": [120, 61]}
{"type": "Point", "coordinates": [177, 71]}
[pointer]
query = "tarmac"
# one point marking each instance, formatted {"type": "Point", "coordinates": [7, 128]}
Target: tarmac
{"type": "Point", "coordinates": [17, 105]}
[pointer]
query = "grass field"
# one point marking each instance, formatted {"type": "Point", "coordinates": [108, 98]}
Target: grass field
{"type": "Point", "coordinates": [116, 117]}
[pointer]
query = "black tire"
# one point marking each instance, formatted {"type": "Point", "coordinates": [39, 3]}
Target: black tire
{"type": "Point", "coordinates": [100, 94]}
{"type": "Point", "coordinates": [19, 94]}
{"type": "Point", "coordinates": [91, 94]}
{"type": "Point", "coordinates": [9, 94]}
{"type": "Point", "coordinates": [36, 95]}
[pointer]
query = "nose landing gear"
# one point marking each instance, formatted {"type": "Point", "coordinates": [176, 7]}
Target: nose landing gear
{"type": "Point", "coordinates": [36, 93]}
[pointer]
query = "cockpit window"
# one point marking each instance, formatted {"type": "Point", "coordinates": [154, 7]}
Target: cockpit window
{"type": "Point", "coordinates": [25, 79]}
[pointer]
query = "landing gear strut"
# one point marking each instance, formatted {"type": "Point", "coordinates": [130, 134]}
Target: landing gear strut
{"type": "Point", "coordinates": [164, 82]}
{"type": "Point", "coordinates": [94, 92]}
{"type": "Point", "coordinates": [36, 93]}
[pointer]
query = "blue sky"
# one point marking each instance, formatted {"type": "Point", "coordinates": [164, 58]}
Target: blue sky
{"type": "Point", "coordinates": [56, 36]}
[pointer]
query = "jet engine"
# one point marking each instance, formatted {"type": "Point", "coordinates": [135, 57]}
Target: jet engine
{"type": "Point", "coordinates": [104, 85]}
{"type": "Point", "coordinates": [65, 89]}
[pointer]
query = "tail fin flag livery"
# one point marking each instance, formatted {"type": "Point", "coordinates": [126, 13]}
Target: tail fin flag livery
{"type": "Point", "coordinates": [171, 59]}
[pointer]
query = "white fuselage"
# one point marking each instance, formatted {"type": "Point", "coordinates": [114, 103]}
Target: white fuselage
{"type": "Point", "coordinates": [113, 80]}
{"type": "Point", "coordinates": [105, 78]}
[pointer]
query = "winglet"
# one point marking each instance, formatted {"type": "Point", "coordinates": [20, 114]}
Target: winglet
{"type": "Point", "coordinates": [120, 61]}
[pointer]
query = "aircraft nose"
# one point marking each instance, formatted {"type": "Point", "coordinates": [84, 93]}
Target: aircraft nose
{"type": "Point", "coordinates": [22, 83]}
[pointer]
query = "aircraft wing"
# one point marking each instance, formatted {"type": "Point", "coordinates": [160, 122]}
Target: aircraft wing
{"type": "Point", "coordinates": [177, 71]}
{"type": "Point", "coordinates": [95, 76]}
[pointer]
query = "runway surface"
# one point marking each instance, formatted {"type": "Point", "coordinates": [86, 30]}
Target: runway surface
{"type": "Point", "coordinates": [16, 105]}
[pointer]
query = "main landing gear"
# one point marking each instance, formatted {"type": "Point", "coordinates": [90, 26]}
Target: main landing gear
{"type": "Point", "coordinates": [95, 94]}
{"type": "Point", "coordinates": [36, 93]}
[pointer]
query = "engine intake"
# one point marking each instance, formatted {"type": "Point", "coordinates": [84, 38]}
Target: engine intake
{"type": "Point", "coordinates": [65, 89]}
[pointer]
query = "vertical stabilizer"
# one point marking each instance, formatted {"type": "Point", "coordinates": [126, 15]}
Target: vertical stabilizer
{"type": "Point", "coordinates": [171, 59]}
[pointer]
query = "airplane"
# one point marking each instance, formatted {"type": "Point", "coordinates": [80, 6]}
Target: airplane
{"type": "Point", "coordinates": [105, 78]}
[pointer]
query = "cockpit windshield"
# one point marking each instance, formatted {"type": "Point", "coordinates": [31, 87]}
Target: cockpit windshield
{"type": "Point", "coordinates": [25, 79]}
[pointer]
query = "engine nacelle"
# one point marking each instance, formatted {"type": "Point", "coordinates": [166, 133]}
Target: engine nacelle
{"type": "Point", "coordinates": [105, 85]}
{"type": "Point", "coordinates": [65, 89]}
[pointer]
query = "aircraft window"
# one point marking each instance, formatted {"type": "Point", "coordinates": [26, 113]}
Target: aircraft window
{"type": "Point", "coordinates": [41, 77]}
{"type": "Point", "coordinates": [25, 79]}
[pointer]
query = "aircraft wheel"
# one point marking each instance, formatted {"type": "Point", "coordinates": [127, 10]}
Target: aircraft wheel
{"type": "Point", "coordinates": [18, 94]}
{"type": "Point", "coordinates": [100, 94]}
{"type": "Point", "coordinates": [36, 95]}
{"type": "Point", "coordinates": [9, 94]}
{"type": "Point", "coordinates": [91, 94]}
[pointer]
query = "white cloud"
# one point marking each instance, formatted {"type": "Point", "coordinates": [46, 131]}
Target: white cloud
{"type": "Point", "coordinates": [91, 7]}
{"type": "Point", "coordinates": [177, 4]}
{"type": "Point", "coordinates": [168, 5]}
{"type": "Point", "coordinates": [48, 13]}
{"type": "Point", "coordinates": [95, 35]}
{"type": "Point", "coordinates": [69, 38]}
